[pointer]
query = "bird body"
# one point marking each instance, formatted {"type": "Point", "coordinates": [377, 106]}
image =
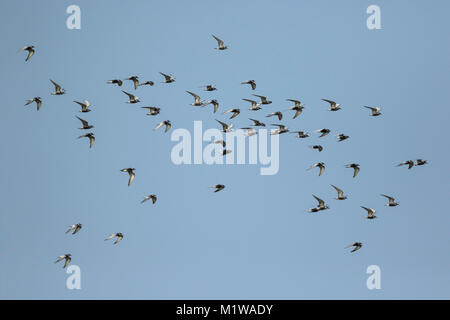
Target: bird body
{"type": "Point", "coordinates": [321, 166]}
{"type": "Point", "coordinates": [166, 123]}
{"type": "Point", "coordinates": [91, 137]}
{"type": "Point", "coordinates": [113, 235]}
{"type": "Point", "coordinates": [58, 90]}
{"type": "Point", "coordinates": [355, 167]}
{"type": "Point", "coordinates": [38, 101]}
{"type": "Point", "coordinates": [131, 174]}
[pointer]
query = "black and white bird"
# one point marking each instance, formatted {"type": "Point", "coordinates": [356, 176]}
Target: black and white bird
{"type": "Point", "coordinates": [391, 202]}
{"type": "Point", "coordinates": [263, 99]}
{"type": "Point", "coordinates": [197, 102]}
{"type": "Point", "coordinates": [209, 87]}
{"type": "Point", "coordinates": [317, 147]}
{"type": "Point", "coordinates": [58, 90]}
{"type": "Point", "coordinates": [409, 163]}
{"type": "Point", "coordinates": [250, 82]}
{"type": "Point", "coordinates": [115, 81]}
{"type": "Point", "coordinates": [135, 80]}
{"type": "Point", "coordinates": [150, 196]}
{"type": "Point", "coordinates": [131, 97]}
{"type": "Point", "coordinates": [282, 129]}
{"type": "Point", "coordinates": [67, 257]}
{"type": "Point", "coordinates": [370, 212]}
{"type": "Point", "coordinates": [355, 167]}
{"type": "Point", "coordinates": [91, 137]}
{"type": "Point", "coordinates": [168, 78]}
{"type": "Point", "coordinates": [38, 101]}
{"type": "Point", "coordinates": [298, 107]}
{"type": "Point", "coordinates": [342, 137]}
{"type": "Point", "coordinates": [356, 245]}
{"type": "Point", "coordinates": [278, 114]}
{"type": "Point", "coordinates": [224, 152]}
{"type": "Point", "coordinates": [152, 111]}
{"type": "Point", "coordinates": [257, 123]}
{"type": "Point", "coordinates": [250, 132]}
{"type": "Point", "coordinates": [131, 174]}
{"type": "Point", "coordinates": [301, 134]}
{"type": "Point", "coordinates": [84, 106]}
{"type": "Point", "coordinates": [333, 105]}
{"type": "Point", "coordinates": [113, 235]}
{"type": "Point", "coordinates": [225, 127]}
{"type": "Point", "coordinates": [214, 102]}
{"type": "Point", "coordinates": [321, 206]}
{"type": "Point", "coordinates": [220, 45]}
{"type": "Point", "coordinates": [421, 162]}
{"type": "Point", "coordinates": [222, 142]}
{"type": "Point", "coordinates": [75, 228]}
{"type": "Point", "coordinates": [85, 124]}
{"type": "Point", "coordinates": [255, 105]}
{"type": "Point", "coordinates": [147, 83]}
{"type": "Point", "coordinates": [341, 195]}
{"type": "Point", "coordinates": [323, 132]}
{"type": "Point", "coordinates": [218, 187]}
{"type": "Point", "coordinates": [375, 111]}
{"type": "Point", "coordinates": [234, 111]}
{"type": "Point", "coordinates": [321, 166]}
{"type": "Point", "coordinates": [166, 123]}
{"type": "Point", "coordinates": [30, 50]}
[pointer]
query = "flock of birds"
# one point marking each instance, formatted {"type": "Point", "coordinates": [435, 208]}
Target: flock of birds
{"type": "Point", "coordinates": [254, 106]}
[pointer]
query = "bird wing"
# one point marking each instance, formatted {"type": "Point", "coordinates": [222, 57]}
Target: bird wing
{"type": "Point", "coordinates": [220, 42]}
{"type": "Point", "coordinates": [84, 122]}
{"type": "Point", "coordinates": [321, 202]}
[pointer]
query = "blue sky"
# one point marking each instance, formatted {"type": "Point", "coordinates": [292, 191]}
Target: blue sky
{"type": "Point", "coordinates": [253, 240]}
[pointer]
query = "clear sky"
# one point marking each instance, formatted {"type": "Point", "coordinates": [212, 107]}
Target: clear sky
{"type": "Point", "coordinates": [254, 239]}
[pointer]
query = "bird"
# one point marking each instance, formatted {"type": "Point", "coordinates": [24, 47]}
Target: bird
{"type": "Point", "coordinates": [131, 98]}
{"type": "Point", "coordinates": [323, 132]}
{"type": "Point", "coordinates": [38, 101]}
{"type": "Point", "coordinates": [130, 172]}
{"type": "Point", "coordinates": [86, 125]}
{"type": "Point", "coordinates": [355, 167]}
{"type": "Point", "coordinates": [278, 114]}
{"type": "Point", "coordinates": [209, 87]}
{"type": "Point", "coordinates": [218, 187]}
{"type": "Point", "coordinates": [421, 162]}
{"type": "Point", "coordinates": [301, 134]}
{"type": "Point", "coordinates": [91, 137]}
{"type": "Point", "coordinates": [255, 105]}
{"type": "Point", "coordinates": [317, 147]}
{"type": "Point", "coordinates": [220, 45]}
{"type": "Point", "coordinates": [370, 212]}
{"type": "Point", "coordinates": [197, 101]}
{"type": "Point", "coordinates": [118, 235]}
{"type": "Point", "coordinates": [257, 123]}
{"type": "Point", "coordinates": [84, 106]}
{"type": "Point", "coordinates": [115, 81]}
{"type": "Point", "coordinates": [58, 90]}
{"type": "Point", "coordinates": [298, 107]}
{"type": "Point", "coordinates": [166, 123]}
{"type": "Point", "coordinates": [214, 102]}
{"type": "Point", "coordinates": [224, 152]}
{"type": "Point", "coordinates": [75, 228]}
{"type": "Point", "coordinates": [250, 82]}
{"type": "Point", "coordinates": [147, 83]}
{"type": "Point", "coordinates": [321, 165]}
{"type": "Point", "coordinates": [135, 80]}
{"type": "Point", "coordinates": [356, 245]}
{"type": "Point", "coordinates": [167, 78]}
{"type": "Point", "coordinates": [222, 142]}
{"type": "Point", "coordinates": [391, 202]}
{"type": "Point", "coordinates": [151, 196]}
{"type": "Point", "coordinates": [152, 111]}
{"type": "Point", "coordinates": [250, 132]}
{"type": "Point", "coordinates": [375, 111]}
{"type": "Point", "coordinates": [341, 195]}
{"type": "Point", "coordinates": [333, 105]}
{"type": "Point", "coordinates": [67, 257]}
{"type": "Point", "coordinates": [410, 164]}
{"type": "Point", "coordinates": [263, 99]}
{"type": "Point", "coordinates": [225, 127]}
{"type": "Point", "coordinates": [30, 50]}
{"type": "Point", "coordinates": [282, 129]}
{"type": "Point", "coordinates": [321, 206]}
{"type": "Point", "coordinates": [342, 137]}
{"type": "Point", "coordinates": [234, 111]}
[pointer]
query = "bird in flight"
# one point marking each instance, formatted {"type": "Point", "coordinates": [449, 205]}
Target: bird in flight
{"type": "Point", "coordinates": [224, 152]}
{"type": "Point", "coordinates": [250, 132]}
{"type": "Point", "coordinates": [58, 90]}
{"type": "Point", "coordinates": [130, 172]}
{"type": "Point", "coordinates": [218, 187]}
{"type": "Point", "coordinates": [197, 101]}
{"type": "Point", "coordinates": [255, 105]}
{"type": "Point", "coordinates": [135, 80]}
{"type": "Point", "coordinates": [209, 87]}
{"type": "Point", "coordinates": [115, 81]}
{"type": "Point", "coordinates": [370, 212]}
{"type": "Point", "coordinates": [166, 123]}
{"type": "Point", "coordinates": [410, 164]}
{"type": "Point", "coordinates": [321, 166]}
{"type": "Point", "coordinates": [131, 98]}
{"type": "Point", "coordinates": [263, 99]}
{"type": "Point", "coordinates": [167, 78]}
{"type": "Point", "coordinates": [222, 142]}
{"type": "Point", "coordinates": [420, 162]}
{"type": "Point", "coordinates": [86, 125]}
{"type": "Point", "coordinates": [323, 132]}
{"type": "Point", "coordinates": [91, 137]}
{"type": "Point", "coordinates": [333, 105]}
{"type": "Point", "coordinates": [375, 111]}
{"type": "Point", "coordinates": [225, 127]}
{"type": "Point", "coordinates": [75, 228]}
{"type": "Point", "coordinates": [250, 82]}
{"type": "Point", "coordinates": [301, 134]}
{"type": "Point", "coordinates": [38, 101]}
{"type": "Point", "coordinates": [355, 167]}
{"type": "Point", "coordinates": [342, 137]}
{"type": "Point", "coordinates": [317, 147]}
{"type": "Point", "coordinates": [257, 123]}
{"type": "Point", "coordinates": [298, 107]}
{"type": "Point", "coordinates": [220, 44]}
{"type": "Point", "coordinates": [214, 102]}
{"type": "Point", "coordinates": [356, 245]}
{"type": "Point", "coordinates": [341, 195]}
{"type": "Point", "coordinates": [234, 111]}
{"type": "Point", "coordinates": [118, 235]}
{"type": "Point", "coordinates": [278, 114]}
{"type": "Point", "coordinates": [147, 83]}
{"type": "Point", "coordinates": [282, 129]}
{"type": "Point", "coordinates": [321, 206]}
{"type": "Point", "coordinates": [152, 111]}
{"type": "Point", "coordinates": [30, 50]}
{"type": "Point", "coordinates": [67, 257]}
{"type": "Point", "coordinates": [84, 106]}
{"type": "Point", "coordinates": [151, 196]}
{"type": "Point", "coordinates": [391, 202]}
